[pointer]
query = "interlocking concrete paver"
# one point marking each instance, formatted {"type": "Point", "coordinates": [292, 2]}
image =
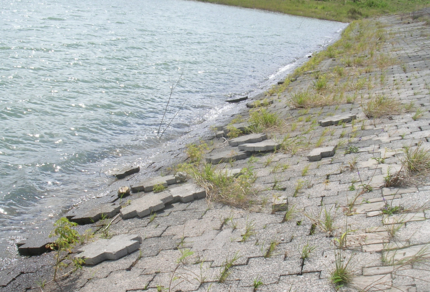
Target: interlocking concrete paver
{"type": "Point", "coordinates": [109, 249]}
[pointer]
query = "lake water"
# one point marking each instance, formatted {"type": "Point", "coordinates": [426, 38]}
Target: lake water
{"type": "Point", "coordinates": [83, 87]}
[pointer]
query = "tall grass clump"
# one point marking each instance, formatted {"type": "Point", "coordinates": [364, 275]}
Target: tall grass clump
{"type": "Point", "coordinates": [416, 160]}
{"type": "Point", "coordinates": [380, 106]}
{"type": "Point", "coordinates": [221, 186]}
{"type": "Point", "coordinates": [262, 119]}
{"type": "Point", "coordinates": [341, 276]}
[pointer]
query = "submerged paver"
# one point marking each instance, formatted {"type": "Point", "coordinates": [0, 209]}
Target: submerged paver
{"type": "Point", "coordinates": [109, 249]}
{"type": "Point", "coordinates": [124, 172]}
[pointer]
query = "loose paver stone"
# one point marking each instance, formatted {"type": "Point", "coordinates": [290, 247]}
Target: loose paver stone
{"type": "Point", "coordinates": [318, 153]}
{"type": "Point", "coordinates": [126, 172]}
{"type": "Point", "coordinates": [187, 193]}
{"type": "Point", "coordinates": [148, 185]}
{"type": "Point", "coordinates": [85, 216]}
{"type": "Point", "coordinates": [146, 205]}
{"type": "Point", "coordinates": [267, 145]}
{"type": "Point", "coordinates": [251, 138]}
{"type": "Point", "coordinates": [109, 249]}
{"type": "Point", "coordinates": [225, 156]}
{"type": "Point", "coordinates": [335, 120]}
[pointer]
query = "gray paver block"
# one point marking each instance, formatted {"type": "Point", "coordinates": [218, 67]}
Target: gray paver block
{"type": "Point", "coordinates": [267, 145]}
{"type": "Point", "coordinates": [251, 138]}
{"type": "Point", "coordinates": [109, 249]}
{"type": "Point", "coordinates": [146, 205]}
{"type": "Point", "coordinates": [318, 153]}
{"type": "Point", "coordinates": [187, 193]}
{"type": "Point", "coordinates": [148, 184]}
{"type": "Point", "coordinates": [35, 245]}
{"type": "Point", "coordinates": [87, 216]}
{"type": "Point", "coordinates": [334, 120]}
{"type": "Point", "coordinates": [225, 156]}
{"type": "Point", "coordinates": [126, 171]}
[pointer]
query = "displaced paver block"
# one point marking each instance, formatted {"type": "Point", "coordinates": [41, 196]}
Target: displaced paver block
{"type": "Point", "coordinates": [126, 172]}
{"type": "Point", "coordinates": [187, 192]}
{"type": "Point", "coordinates": [36, 245]}
{"type": "Point", "coordinates": [264, 146]}
{"type": "Point", "coordinates": [87, 216]}
{"type": "Point", "coordinates": [148, 185]}
{"type": "Point", "coordinates": [109, 249]}
{"type": "Point", "coordinates": [226, 156]}
{"type": "Point", "coordinates": [335, 120]}
{"type": "Point", "coordinates": [251, 138]}
{"type": "Point", "coordinates": [146, 205]}
{"type": "Point", "coordinates": [318, 153]}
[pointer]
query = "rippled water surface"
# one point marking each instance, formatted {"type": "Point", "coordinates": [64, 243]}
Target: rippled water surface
{"type": "Point", "coordinates": [83, 85]}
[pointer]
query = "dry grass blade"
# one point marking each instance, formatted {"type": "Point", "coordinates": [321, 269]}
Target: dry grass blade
{"type": "Point", "coordinates": [380, 106]}
{"type": "Point", "coordinates": [416, 160]}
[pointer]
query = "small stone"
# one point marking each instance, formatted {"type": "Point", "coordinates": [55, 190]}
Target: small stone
{"type": "Point", "coordinates": [123, 192]}
{"type": "Point", "coordinates": [181, 177]}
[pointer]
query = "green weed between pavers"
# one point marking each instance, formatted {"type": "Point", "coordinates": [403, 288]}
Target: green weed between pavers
{"type": "Point", "coordinates": [67, 238]}
{"type": "Point", "coordinates": [262, 119]}
{"type": "Point", "coordinates": [416, 160]}
{"type": "Point", "coordinates": [158, 188]}
{"type": "Point", "coordinates": [341, 275]}
{"type": "Point", "coordinates": [380, 106]}
{"type": "Point", "coordinates": [225, 269]}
